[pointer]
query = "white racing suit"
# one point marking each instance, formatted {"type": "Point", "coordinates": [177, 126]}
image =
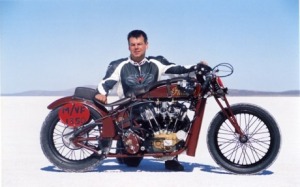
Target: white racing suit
{"type": "Point", "coordinates": [131, 75]}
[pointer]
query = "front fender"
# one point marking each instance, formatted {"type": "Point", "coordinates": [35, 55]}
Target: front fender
{"type": "Point", "coordinates": [108, 125]}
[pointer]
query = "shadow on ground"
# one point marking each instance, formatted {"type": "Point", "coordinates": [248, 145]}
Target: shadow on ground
{"type": "Point", "coordinates": [153, 165]}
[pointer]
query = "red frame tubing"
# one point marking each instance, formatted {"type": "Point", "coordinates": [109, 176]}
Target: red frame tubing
{"type": "Point", "coordinates": [196, 127]}
{"type": "Point", "coordinates": [229, 114]}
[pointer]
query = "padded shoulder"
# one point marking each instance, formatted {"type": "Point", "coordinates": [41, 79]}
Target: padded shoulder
{"type": "Point", "coordinates": [161, 59]}
{"type": "Point", "coordinates": [115, 63]}
{"type": "Point", "coordinates": [112, 66]}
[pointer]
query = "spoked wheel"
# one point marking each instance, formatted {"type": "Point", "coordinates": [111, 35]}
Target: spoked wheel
{"type": "Point", "coordinates": [248, 154]}
{"type": "Point", "coordinates": [69, 153]}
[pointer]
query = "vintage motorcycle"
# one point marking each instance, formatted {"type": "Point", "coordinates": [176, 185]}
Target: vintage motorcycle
{"type": "Point", "coordinates": [80, 132]}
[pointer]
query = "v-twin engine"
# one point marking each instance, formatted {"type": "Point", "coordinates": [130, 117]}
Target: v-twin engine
{"type": "Point", "coordinates": [157, 127]}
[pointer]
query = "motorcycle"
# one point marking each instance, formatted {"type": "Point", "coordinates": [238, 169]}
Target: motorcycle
{"type": "Point", "coordinates": [80, 132]}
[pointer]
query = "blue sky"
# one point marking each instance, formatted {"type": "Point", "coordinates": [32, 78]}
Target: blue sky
{"type": "Point", "coordinates": [61, 44]}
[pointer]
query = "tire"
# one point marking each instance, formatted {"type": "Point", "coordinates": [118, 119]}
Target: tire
{"type": "Point", "coordinates": [132, 161]}
{"type": "Point", "coordinates": [249, 156]}
{"type": "Point", "coordinates": [129, 161]}
{"type": "Point", "coordinates": [60, 151]}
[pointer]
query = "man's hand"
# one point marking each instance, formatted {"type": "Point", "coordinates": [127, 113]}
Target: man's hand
{"type": "Point", "coordinates": [203, 62]}
{"type": "Point", "coordinates": [203, 67]}
{"type": "Point", "coordinates": [101, 98]}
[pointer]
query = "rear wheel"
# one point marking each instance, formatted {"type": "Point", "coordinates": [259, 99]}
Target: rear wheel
{"type": "Point", "coordinates": [251, 153]}
{"type": "Point", "coordinates": [58, 147]}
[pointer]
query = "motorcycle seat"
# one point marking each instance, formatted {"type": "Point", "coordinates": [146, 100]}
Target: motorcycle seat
{"type": "Point", "coordinates": [85, 93]}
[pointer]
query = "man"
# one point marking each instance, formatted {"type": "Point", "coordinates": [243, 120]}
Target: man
{"type": "Point", "coordinates": [138, 71]}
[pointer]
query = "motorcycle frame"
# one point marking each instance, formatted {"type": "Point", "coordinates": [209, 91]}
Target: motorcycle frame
{"type": "Point", "coordinates": [169, 92]}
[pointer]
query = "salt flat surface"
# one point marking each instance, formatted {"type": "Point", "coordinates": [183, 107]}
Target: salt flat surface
{"type": "Point", "coordinates": [23, 163]}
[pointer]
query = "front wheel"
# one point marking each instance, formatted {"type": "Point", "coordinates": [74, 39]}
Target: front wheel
{"type": "Point", "coordinates": [253, 152]}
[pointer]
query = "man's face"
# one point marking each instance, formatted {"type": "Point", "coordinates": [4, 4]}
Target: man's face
{"type": "Point", "coordinates": [137, 48]}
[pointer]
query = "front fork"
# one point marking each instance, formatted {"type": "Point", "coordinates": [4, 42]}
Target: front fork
{"type": "Point", "coordinates": [227, 111]}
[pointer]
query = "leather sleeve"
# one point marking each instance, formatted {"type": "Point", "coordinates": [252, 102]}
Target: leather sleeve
{"type": "Point", "coordinates": [109, 81]}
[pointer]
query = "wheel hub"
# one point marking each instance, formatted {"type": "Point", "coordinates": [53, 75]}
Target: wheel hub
{"type": "Point", "coordinates": [243, 138]}
{"type": "Point", "coordinates": [68, 139]}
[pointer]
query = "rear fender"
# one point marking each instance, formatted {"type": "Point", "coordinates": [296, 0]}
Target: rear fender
{"type": "Point", "coordinates": [60, 102]}
{"type": "Point", "coordinates": [108, 128]}
{"type": "Point", "coordinates": [71, 99]}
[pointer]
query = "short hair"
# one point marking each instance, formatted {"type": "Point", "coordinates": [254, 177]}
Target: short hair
{"type": "Point", "coordinates": [136, 34]}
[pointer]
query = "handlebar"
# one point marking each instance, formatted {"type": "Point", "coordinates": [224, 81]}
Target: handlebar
{"type": "Point", "coordinates": [223, 70]}
{"type": "Point", "coordinates": [220, 70]}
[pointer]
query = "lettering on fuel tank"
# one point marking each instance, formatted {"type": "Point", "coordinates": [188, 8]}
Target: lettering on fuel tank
{"type": "Point", "coordinates": [74, 114]}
